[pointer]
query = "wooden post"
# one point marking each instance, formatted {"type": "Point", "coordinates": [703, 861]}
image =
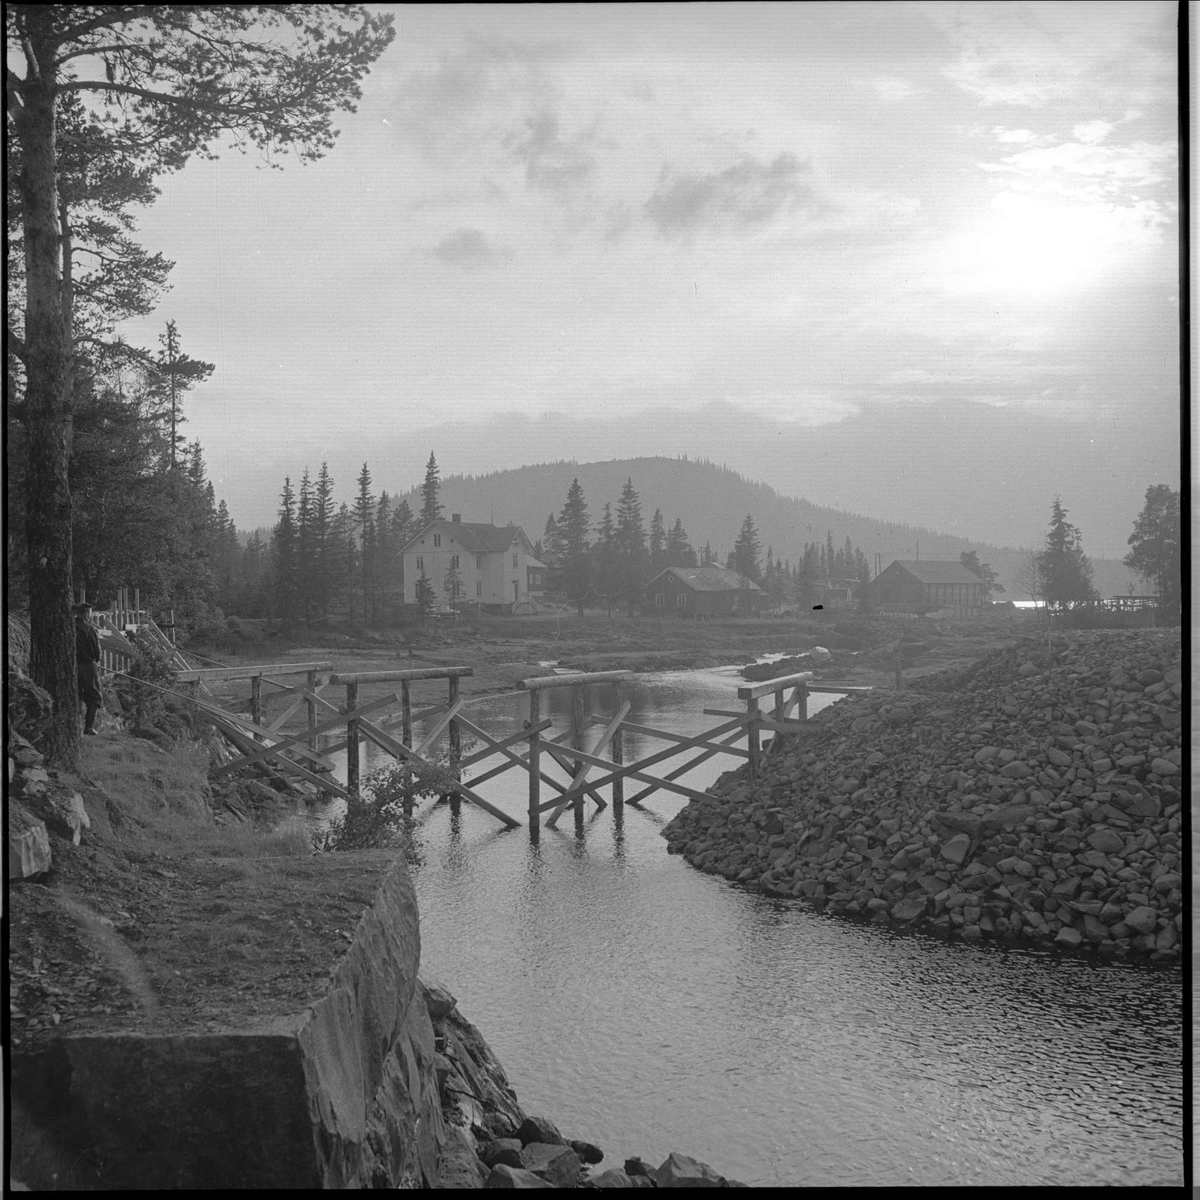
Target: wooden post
{"type": "Point", "coordinates": [352, 740]}
{"type": "Point", "coordinates": [535, 754]}
{"type": "Point", "coordinates": [455, 746]}
{"type": "Point", "coordinates": [578, 720]}
{"type": "Point", "coordinates": [802, 701]}
{"type": "Point", "coordinates": [172, 627]}
{"type": "Point", "coordinates": [406, 713]}
{"type": "Point", "coordinates": [137, 606]}
{"type": "Point", "coordinates": [311, 706]}
{"type": "Point", "coordinates": [752, 735]}
{"type": "Point", "coordinates": [256, 699]}
{"type": "Point", "coordinates": [618, 787]}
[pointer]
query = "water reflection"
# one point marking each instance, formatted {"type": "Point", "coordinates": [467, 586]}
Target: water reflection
{"type": "Point", "coordinates": [650, 1007]}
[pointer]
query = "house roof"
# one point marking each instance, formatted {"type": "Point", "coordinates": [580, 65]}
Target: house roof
{"type": "Point", "coordinates": [472, 536]}
{"type": "Point", "coordinates": [710, 579]}
{"type": "Point", "coordinates": [938, 572]}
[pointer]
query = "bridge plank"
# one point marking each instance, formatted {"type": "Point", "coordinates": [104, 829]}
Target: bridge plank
{"type": "Point", "coordinates": [613, 726]}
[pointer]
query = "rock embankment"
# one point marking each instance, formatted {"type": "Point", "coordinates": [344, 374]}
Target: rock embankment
{"type": "Point", "coordinates": [1035, 795]}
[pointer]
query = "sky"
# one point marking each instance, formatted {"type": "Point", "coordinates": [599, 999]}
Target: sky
{"type": "Point", "coordinates": [610, 230]}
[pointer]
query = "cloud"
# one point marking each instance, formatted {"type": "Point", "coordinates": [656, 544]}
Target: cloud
{"type": "Point", "coordinates": [551, 164]}
{"type": "Point", "coordinates": [743, 196]}
{"type": "Point", "coordinates": [1092, 132]}
{"type": "Point", "coordinates": [1141, 164]}
{"type": "Point", "coordinates": [469, 248]}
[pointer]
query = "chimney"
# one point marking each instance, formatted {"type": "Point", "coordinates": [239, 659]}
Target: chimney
{"type": "Point", "coordinates": [456, 518]}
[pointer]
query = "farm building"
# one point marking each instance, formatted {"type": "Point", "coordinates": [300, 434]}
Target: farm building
{"type": "Point", "coordinates": [495, 564]}
{"type": "Point", "coordinates": [703, 592]}
{"type": "Point", "coordinates": [926, 586]}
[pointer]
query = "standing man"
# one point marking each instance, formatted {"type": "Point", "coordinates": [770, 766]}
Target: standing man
{"type": "Point", "coordinates": [87, 665]}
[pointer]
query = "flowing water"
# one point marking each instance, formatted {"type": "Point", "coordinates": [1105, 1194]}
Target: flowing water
{"type": "Point", "coordinates": [648, 1007]}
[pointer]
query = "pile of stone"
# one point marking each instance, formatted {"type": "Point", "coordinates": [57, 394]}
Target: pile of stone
{"type": "Point", "coordinates": [39, 805]}
{"type": "Point", "coordinates": [1034, 795]}
{"type": "Point", "coordinates": [488, 1141]}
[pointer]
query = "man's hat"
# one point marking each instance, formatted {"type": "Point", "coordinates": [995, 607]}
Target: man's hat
{"type": "Point", "coordinates": [80, 609]}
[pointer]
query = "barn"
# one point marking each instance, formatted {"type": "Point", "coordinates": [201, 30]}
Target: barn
{"type": "Point", "coordinates": [703, 592]}
{"type": "Point", "coordinates": [908, 586]}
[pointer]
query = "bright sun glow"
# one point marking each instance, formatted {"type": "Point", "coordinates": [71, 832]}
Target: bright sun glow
{"type": "Point", "coordinates": [1029, 245]}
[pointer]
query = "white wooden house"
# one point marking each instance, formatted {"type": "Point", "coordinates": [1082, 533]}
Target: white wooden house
{"type": "Point", "coordinates": [493, 563]}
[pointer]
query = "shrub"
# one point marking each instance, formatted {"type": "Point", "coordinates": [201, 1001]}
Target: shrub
{"type": "Point", "coordinates": [376, 818]}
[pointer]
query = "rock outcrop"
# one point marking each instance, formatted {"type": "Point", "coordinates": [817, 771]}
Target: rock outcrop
{"type": "Point", "coordinates": [1034, 795]}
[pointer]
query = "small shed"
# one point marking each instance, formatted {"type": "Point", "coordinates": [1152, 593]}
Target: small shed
{"type": "Point", "coordinates": [910, 586]}
{"type": "Point", "coordinates": [703, 592]}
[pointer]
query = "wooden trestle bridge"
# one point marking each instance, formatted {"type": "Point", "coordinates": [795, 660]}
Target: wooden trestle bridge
{"type": "Point", "coordinates": [589, 768]}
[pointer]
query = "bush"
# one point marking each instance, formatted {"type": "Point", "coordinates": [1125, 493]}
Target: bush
{"type": "Point", "coordinates": [376, 818]}
{"type": "Point", "coordinates": [147, 705]}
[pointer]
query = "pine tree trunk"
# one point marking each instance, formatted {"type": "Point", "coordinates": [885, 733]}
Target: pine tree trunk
{"type": "Point", "coordinates": [48, 421]}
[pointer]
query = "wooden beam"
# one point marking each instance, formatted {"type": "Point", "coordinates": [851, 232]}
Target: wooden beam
{"type": "Point", "coordinates": [207, 673]}
{"type": "Point", "coordinates": [270, 751]}
{"type": "Point", "coordinates": [243, 743]}
{"type": "Point", "coordinates": [785, 727]}
{"type": "Point", "coordinates": [248, 729]}
{"type": "Point", "coordinates": [399, 750]}
{"type": "Point", "coordinates": [433, 734]}
{"type": "Point", "coordinates": [581, 677]}
{"type": "Point", "coordinates": [726, 747]}
{"type": "Point", "coordinates": [754, 691]}
{"type": "Point", "coordinates": [613, 726]}
{"type": "Point", "coordinates": [516, 760]}
{"type": "Point", "coordinates": [493, 744]}
{"type": "Point", "coordinates": [406, 676]}
{"type": "Point", "coordinates": [671, 737]}
{"type": "Point", "coordinates": [634, 768]}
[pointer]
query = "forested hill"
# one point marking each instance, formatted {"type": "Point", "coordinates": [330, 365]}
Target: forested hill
{"type": "Point", "coordinates": [712, 501]}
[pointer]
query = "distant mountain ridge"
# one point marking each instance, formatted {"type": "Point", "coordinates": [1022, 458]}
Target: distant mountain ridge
{"type": "Point", "coordinates": [712, 501]}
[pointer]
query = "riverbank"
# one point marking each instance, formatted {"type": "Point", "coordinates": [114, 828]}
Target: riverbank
{"type": "Point", "coordinates": [1035, 795]}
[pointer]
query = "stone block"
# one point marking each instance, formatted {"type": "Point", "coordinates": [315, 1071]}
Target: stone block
{"type": "Point", "coordinates": [955, 849]}
{"type": "Point", "coordinates": [1142, 919]}
{"type": "Point", "coordinates": [556, 1163]}
{"type": "Point", "coordinates": [539, 1129]}
{"type": "Point", "coordinates": [28, 845]}
{"type": "Point", "coordinates": [614, 1177]}
{"type": "Point", "coordinates": [681, 1171]}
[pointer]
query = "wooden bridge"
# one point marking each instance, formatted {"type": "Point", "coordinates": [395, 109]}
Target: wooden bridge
{"type": "Point", "coordinates": [589, 768]}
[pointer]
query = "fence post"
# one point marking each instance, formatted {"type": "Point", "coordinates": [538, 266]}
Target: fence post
{"type": "Point", "coordinates": [454, 738]}
{"type": "Point", "coordinates": [352, 740]}
{"type": "Point", "coordinates": [618, 787]}
{"type": "Point", "coordinates": [752, 735]}
{"type": "Point", "coordinates": [578, 717]}
{"type": "Point", "coordinates": [535, 754]}
{"type": "Point", "coordinates": [802, 701]}
{"type": "Point", "coordinates": [256, 699]}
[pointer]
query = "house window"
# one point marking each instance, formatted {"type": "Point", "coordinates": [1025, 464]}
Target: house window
{"type": "Point", "coordinates": [659, 600]}
{"type": "Point", "coordinates": [454, 561]}
{"type": "Point", "coordinates": [516, 591]}
{"type": "Point", "coordinates": [479, 562]}
{"type": "Point", "coordinates": [420, 563]}
{"type": "Point", "coordinates": [681, 600]}
{"type": "Point", "coordinates": [514, 560]}
{"type": "Point", "coordinates": [437, 540]}
{"type": "Point", "coordinates": [478, 588]}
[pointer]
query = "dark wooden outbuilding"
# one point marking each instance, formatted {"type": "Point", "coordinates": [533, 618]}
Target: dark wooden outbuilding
{"type": "Point", "coordinates": [926, 586]}
{"type": "Point", "coordinates": [703, 592]}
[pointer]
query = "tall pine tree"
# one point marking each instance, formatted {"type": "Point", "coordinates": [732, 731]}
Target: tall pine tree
{"type": "Point", "coordinates": [431, 507]}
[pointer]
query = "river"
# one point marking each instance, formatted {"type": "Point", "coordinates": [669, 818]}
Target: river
{"type": "Point", "coordinates": [648, 1007]}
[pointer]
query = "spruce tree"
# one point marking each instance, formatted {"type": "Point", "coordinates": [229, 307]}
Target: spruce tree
{"type": "Point", "coordinates": [746, 551]}
{"type": "Point", "coordinates": [431, 508]}
{"type": "Point", "coordinates": [606, 557]}
{"type": "Point", "coordinates": [283, 547]}
{"type": "Point", "coordinates": [631, 546]}
{"type": "Point", "coordinates": [658, 543]}
{"type": "Point", "coordinates": [1156, 554]}
{"type": "Point", "coordinates": [573, 574]}
{"type": "Point", "coordinates": [305, 556]}
{"type": "Point", "coordinates": [364, 519]}
{"type": "Point", "coordinates": [1065, 570]}
{"type": "Point", "coordinates": [324, 583]}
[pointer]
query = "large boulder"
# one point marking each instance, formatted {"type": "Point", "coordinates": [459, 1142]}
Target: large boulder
{"type": "Point", "coordinates": [539, 1129]}
{"type": "Point", "coordinates": [28, 845]}
{"type": "Point", "coordinates": [514, 1177]}
{"type": "Point", "coordinates": [557, 1164]}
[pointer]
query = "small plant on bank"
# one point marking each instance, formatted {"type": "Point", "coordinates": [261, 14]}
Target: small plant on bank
{"type": "Point", "coordinates": [374, 819]}
{"type": "Point", "coordinates": [154, 666]}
